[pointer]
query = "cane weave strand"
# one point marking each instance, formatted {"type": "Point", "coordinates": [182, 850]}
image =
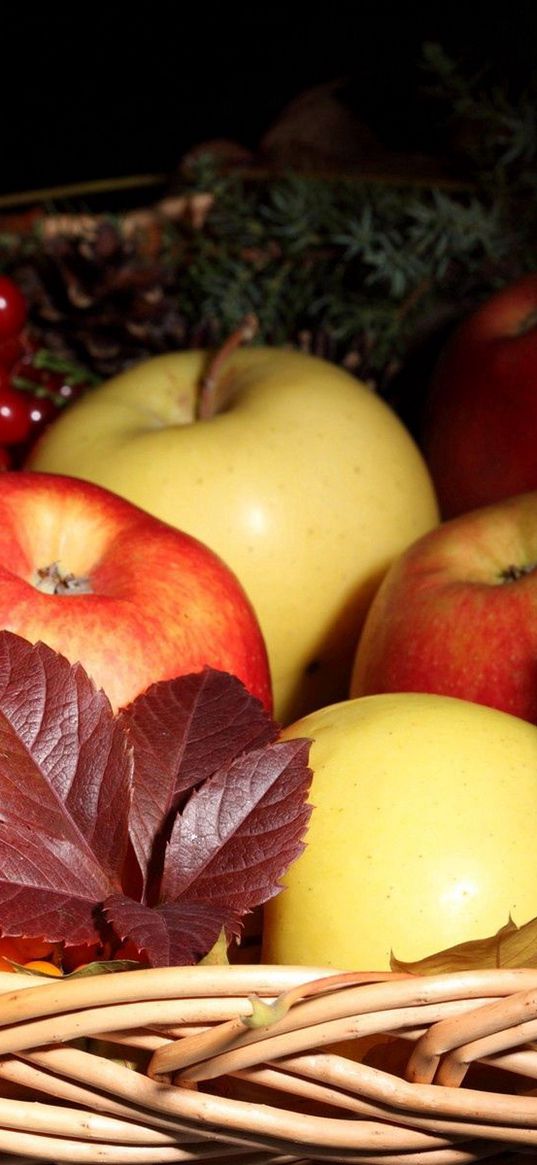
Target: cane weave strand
{"type": "Point", "coordinates": [262, 1065]}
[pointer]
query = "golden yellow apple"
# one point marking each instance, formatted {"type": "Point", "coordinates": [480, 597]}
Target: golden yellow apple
{"type": "Point", "coordinates": [422, 834]}
{"type": "Point", "coordinates": [302, 479]}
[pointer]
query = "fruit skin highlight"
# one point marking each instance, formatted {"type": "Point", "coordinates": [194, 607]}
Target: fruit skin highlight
{"type": "Point", "coordinates": [422, 834]}
{"type": "Point", "coordinates": [106, 584]}
{"type": "Point", "coordinates": [302, 480]}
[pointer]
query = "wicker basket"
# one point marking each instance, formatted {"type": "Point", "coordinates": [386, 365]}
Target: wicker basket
{"type": "Point", "coordinates": [237, 1065]}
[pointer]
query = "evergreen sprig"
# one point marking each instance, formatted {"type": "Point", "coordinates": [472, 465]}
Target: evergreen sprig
{"type": "Point", "coordinates": [501, 137]}
{"type": "Point", "coordinates": [348, 269]}
{"type": "Point", "coordinates": [350, 260]}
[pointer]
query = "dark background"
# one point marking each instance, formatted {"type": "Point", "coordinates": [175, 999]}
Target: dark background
{"type": "Point", "coordinates": [97, 92]}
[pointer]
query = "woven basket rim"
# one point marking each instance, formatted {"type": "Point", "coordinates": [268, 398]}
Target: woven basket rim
{"type": "Point", "coordinates": [210, 1035]}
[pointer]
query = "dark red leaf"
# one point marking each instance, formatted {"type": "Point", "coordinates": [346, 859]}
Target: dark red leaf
{"type": "Point", "coordinates": [182, 731]}
{"type": "Point", "coordinates": [177, 933]}
{"type": "Point", "coordinates": [48, 886]}
{"type": "Point", "coordinates": [217, 806]}
{"type": "Point", "coordinates": [65, 774]}
{"type": "Point", "coordinates": [228, 851]}
{"type": "Point", "coordinates": [241, 829]}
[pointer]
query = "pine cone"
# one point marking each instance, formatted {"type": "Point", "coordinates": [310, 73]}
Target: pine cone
{"type": "Point", "coordinates": [97, 296]}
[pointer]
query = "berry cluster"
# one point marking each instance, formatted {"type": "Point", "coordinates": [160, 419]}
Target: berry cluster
{"type": "Point", "coordinates": [34, 383]}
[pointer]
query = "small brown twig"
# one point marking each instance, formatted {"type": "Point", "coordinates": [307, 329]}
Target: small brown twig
{"type": "Point", "coordinates": [206, 403]}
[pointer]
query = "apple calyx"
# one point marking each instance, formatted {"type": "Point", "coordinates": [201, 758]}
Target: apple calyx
{"type": "Point", "coordinates": [206, 406]}
{"type": "Point", "coordinates": [513, 572]}
{"type": "Point", "coordinates": [52, 581]}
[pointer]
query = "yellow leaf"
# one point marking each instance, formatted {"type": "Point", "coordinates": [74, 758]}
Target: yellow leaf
{"type": "Point", "coordinates": [511, 946]}
{"type": "Point", "coordinates": [218, 953]}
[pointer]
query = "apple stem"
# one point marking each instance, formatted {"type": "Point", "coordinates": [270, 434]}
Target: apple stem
{"type": "Point", "coordinates": [206, 403]}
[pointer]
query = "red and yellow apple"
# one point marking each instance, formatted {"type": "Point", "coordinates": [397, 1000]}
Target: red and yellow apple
{"type": "Point", "coordinates": [456, 613]}
{"type": "Point", "coordinates": [106, 584]}
{"type": "Point", "coordinates": [422, 834]}
{"type": "Point", "coordinates": [480, 416]}
{"type": "Point", "coordinates": [301, 479]}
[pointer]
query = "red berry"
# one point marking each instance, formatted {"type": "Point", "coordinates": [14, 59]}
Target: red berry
{"type": "Point", "coordinates": [42, 410]}
{"type": "Point", "coordinates": [12, 309]}
{"type": "Point", "coordinates": [11, 351]}
{"type": "Point", "coordinates": [5, 459]}
{"type": "Point", "coordinates": [15, 408]}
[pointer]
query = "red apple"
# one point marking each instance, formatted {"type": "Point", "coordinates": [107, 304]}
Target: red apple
{"type": "Point", "coordinates": [480, 419]}
{"type": "Point", "coordinates": [105, 583]}
{"type": "Point", "coordinates": [456, 614]}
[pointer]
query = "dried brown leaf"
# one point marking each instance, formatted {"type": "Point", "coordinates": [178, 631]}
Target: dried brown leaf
{"type": "Point", "coordinates": [511, 946]}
